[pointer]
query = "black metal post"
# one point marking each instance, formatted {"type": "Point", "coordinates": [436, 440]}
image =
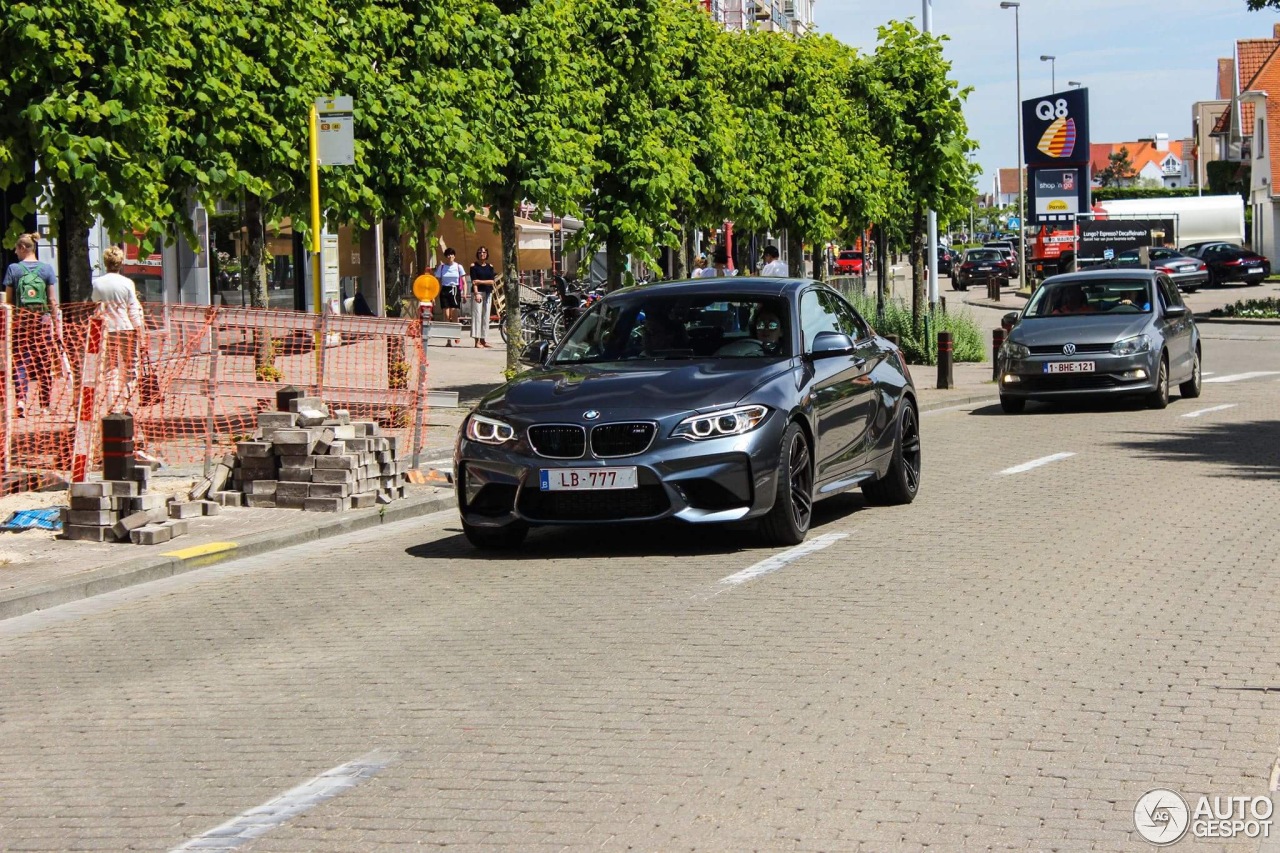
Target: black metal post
{"type": "Point", "coordinates": [997, 341]}
{"type": "Point", "coordinates": [945, 378]}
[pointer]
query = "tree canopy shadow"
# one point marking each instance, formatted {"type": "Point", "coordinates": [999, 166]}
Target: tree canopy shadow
{"type": "Point", "coordinates": [1251, 450]}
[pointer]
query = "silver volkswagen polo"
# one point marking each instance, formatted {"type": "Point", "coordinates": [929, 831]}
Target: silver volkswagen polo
{"type": "Point", "coordinates": [1103, 332]}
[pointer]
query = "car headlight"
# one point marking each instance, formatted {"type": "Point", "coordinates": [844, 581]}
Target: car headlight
{"type": "Point", "coordinates": [1015, 350]}
{"type": "Point", "coordinates": [721, 424]}
{"type": "Point", "coordinates": [489, 430]}
{"type": "Point", "coordinates": [1131, 346]}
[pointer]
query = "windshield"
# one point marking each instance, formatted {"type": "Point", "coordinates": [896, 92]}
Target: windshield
{"type": "Point", "coordinates": [850, 256]}
{"type": "Point", "coordinates": [983, 255]}
{"type": "Point", "coordinates": [1098, 296]}
{"type": "Point", "coordinates": [646, 327]}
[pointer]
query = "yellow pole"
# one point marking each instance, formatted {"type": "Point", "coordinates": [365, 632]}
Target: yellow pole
{"type": "Point", "coordinates": [316, 266]}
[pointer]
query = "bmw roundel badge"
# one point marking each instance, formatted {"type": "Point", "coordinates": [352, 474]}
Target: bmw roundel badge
{"type": "Point", "coordinates": [591, 414]}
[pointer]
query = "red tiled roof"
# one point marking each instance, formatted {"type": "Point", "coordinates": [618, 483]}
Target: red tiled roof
{"type": "Point", "coordinates": [1140, 154]}
{"type": "Point", "coordinates": [1223, 124]}
{"type": "Point", "coordinates": [1226, 68]}
{"type": "Point", "coordinates": [1251, 55]}
{"type": "Point", "coordinates": [1268, 80]}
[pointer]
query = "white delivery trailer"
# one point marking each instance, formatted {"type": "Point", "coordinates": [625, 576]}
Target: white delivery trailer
{"type": "Point", "coordinates": [1199, 218]}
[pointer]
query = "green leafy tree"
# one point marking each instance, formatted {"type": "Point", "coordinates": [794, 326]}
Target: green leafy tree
{"type": "Point", "coordinates": [645, 158]}
{"type": "Point", "coordinates": [922, 125]}
{"type": "Point", "coordinates": [544, 117]}
{"type": "Point", "coordinates": [1119, 170]}
{"type": "Point", "coordinates": [83, 123]}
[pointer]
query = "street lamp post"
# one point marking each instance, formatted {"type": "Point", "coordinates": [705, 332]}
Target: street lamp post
{"type": "Point", "coordinates": [931, 252]}
{"type": "Point", "coordinates": [1074, 84]}
{"type": "Point", "coordinates": [1053, 72]}
{"type": "Point", "coordinates": [1022, 178]}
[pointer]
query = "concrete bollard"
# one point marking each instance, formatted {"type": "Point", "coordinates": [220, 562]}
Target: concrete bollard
{"type": "Point", "coordinates": [993, 289]}
{"type": "Point", "coordinates": [945, 375]}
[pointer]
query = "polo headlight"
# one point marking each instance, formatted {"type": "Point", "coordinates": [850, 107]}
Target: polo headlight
{"type": "Point", "coordinates": [721, 424]}
{"type": "Point", "coordinates": [1015, 350]}
{"type": "Point", "coordinates": [489, 430]}
{"type": "Point", "coordinates": [1131, 346]}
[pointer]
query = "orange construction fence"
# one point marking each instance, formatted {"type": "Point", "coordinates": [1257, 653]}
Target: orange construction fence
{"type": "Point", "coordinates": [194, 381]}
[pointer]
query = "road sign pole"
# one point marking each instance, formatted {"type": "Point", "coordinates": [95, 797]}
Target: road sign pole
{"type": "Point", "coordinates": [316, 265]}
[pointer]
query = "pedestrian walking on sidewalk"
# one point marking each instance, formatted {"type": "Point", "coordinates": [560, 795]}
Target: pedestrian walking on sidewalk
{"type": "Point", "coordinates": [482, 282]}
{"type": "Point", "coordinates": [31, 286]}
{"type": "Point", "coordinates": [773, 268]}
{"type": "Point", "coordinates": [453, 288]}
{"type": "Point", "coordinates": [719, 265]}
{"type": "Point", "coordinates": [124, 325]}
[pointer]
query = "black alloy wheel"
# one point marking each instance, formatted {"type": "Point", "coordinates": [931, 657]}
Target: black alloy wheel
{"type": "Point", "coordinates": [901, 483]}
{"type": "Point", "coordinates": [788, 522]}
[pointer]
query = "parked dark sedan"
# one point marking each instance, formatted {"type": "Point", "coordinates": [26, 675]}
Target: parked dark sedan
{"type": "Point", "coordinates": [1101, 332]}
{"type": "Point", "coordinates": [1189, 273]}
{"type": "Point", "coordinates": [709, 401]}
{"type": "Point", "coordinates": [979, 266]}
{"type": "Point", "coordinates": [1230, 263]}
{"type": "Point", "coordinates": [946, 259]}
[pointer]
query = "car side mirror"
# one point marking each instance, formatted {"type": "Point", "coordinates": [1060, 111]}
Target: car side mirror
{"type": "Point", "coordinates": [1008, 321]}
{"type": "Point", "coordinates": [828, 344]}
{"type": "Point", "coordinates": [1177, 311]}
{"type": "Point", "coordinates": [535, 354]}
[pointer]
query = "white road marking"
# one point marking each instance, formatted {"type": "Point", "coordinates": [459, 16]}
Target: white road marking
{"type": "Point", "coordinates": [1198, 412]}
{"type": "Point", "coordinates": [1036, 463]}
{"type": "Point", "coordinates": [784, 559]}
{"type": "Point", "coordinates": [256, 822]}
{"type": "Point", "coordinates": [1207, 373]}
{"type": "Point", "coordinates": [1239, 377]}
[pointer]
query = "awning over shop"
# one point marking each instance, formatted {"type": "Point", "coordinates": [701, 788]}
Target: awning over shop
{"type": "Point", "coordinates": [534, 241]}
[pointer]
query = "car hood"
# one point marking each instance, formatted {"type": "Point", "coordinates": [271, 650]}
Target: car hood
{"type": "Point", "coordinates": [613, 388]}
{"type": "Point", "coordinates": [1079, 329]}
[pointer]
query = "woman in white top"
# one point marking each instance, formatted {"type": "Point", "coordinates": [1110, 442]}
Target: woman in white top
{"type": "Point", "coordinates": [123, 323]}
{"type": "Point", "coordinates": [719, 265]}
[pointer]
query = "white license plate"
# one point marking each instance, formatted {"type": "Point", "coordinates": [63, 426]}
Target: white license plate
{"type": "Point", "coordinates": [1255, 269]}
{"type": "Point", "coordinates": [983, 269]}
{"type": "Point", "coordinates": [1069, 367]}
{"type": "Point", "coordinates": [587, 479]}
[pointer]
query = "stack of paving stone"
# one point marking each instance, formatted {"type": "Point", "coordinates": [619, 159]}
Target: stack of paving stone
{"type": "Point", "coordinates": [308, 458]}
{"type": "Point", "coordinates": [122, 511]}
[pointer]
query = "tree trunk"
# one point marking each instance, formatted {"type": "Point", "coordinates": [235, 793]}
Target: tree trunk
{"type": "Point", "coordinates": [795, 253]}
{"type": "Point", "coordinates": [391, 264]}
{"type": "Point", "coordinates": [679, 257]}
{"type": "Point", "coordinates": [73, 239]}
{"type": "Point", "coordinates": [819, 263]}
{"type": "Point", "coordinates": [918, 295]}
{"type": "Point", "coordinates": [613, 263]}
{"type": "Point", "coordinates": [255, 228]}
{"type": "Point", "coordinates": [506, 212]}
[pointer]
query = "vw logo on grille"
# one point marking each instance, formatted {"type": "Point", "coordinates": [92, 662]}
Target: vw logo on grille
{"type": "Point", "coordinates": [591, 414]}
{"type": "Point", "coordinates": [1069, 349]}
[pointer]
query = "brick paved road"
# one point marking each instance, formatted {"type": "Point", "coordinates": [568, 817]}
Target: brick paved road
{"type": "Point", "coordinates": [1007, 664]}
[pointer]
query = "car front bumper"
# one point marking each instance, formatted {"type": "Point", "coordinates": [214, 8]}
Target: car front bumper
{"type": "Point", "coordinates": [1026, 378]}
{"type": "Point", "coordinates": [711, 481]}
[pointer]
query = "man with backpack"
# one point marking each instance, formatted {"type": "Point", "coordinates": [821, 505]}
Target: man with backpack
{"type": "Point", "coordinates": [32, 288]}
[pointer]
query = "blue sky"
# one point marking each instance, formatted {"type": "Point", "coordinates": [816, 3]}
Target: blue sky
{"type": "Point", "coordinates": [1143, 62]}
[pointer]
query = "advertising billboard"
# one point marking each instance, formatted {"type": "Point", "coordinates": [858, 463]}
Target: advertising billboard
{"type": "Point", "coordinates": [1103, 239]}
{"type": "Point", "coordinates": [1056, 193]}
{"type": "Point", "coordinates": [1055, 129]}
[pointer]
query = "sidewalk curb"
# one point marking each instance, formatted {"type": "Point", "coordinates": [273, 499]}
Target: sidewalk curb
{"type": "Point", "coordinates": [157, 566]}
{"type": "Point", "coordinates": [1237, 321]}
{"type": "Point", "coordinates": [989, 397]}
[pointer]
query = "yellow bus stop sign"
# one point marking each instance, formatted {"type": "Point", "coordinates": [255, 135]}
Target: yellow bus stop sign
{"type": "Point", "coordinates": [426, 287]}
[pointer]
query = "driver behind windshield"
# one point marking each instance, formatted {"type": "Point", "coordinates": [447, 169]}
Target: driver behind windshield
{"type": "Point", "coordinates": [1072, 301]}
{"type": "Point", "coordinates": [767, 329]}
